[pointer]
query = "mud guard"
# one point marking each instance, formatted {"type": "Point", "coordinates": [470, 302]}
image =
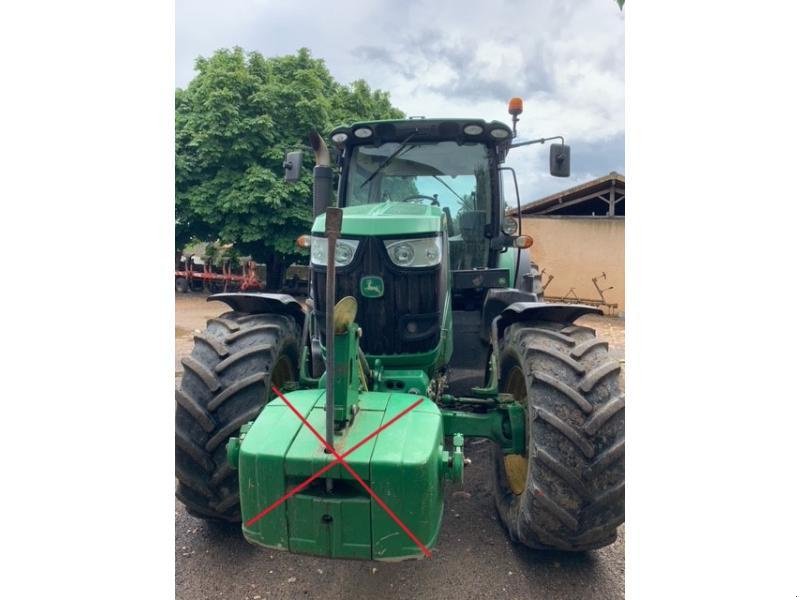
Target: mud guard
{"type": "Point", "coordinates": [280, 304]}
{"type": "Point", "coordinates": [495, 302]}
{"type": "Point", "coordinates": [539, 311]}
{"type": "Point", "coordinates": [503, 307]}
{"type": "Point", "coordinates": [513, 305]}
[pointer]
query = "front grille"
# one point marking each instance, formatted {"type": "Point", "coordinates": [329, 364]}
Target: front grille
{"type": "Point", "coordinates": [406, 319]}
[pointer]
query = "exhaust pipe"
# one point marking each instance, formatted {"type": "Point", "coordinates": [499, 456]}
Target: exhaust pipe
{"type": "Point", "coordinates": [323, 174]}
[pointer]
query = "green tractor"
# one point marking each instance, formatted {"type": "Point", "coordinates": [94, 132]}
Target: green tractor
{"type": "Point", "coordinates": [425, 323]}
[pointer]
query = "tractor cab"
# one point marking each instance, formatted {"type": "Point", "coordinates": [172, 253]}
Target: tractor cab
{"type": "Point", "coordinates": [448, 164]}
{"type": "Point", "coordinates": [451, 175]}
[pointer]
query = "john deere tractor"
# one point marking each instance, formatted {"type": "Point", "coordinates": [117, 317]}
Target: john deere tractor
{"type": "Point", "coordinates": [425, 322]}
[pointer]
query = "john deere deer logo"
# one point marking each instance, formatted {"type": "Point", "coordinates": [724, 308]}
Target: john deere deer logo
{"type": "Point", "coordinates": [371, 286]}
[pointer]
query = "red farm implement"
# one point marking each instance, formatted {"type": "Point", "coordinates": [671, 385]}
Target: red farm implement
{"type": "Point", "coordinates": [194, 274]}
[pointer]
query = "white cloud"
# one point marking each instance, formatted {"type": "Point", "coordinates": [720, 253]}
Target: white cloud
{"type": "Point", "coordinates": [452, 58]}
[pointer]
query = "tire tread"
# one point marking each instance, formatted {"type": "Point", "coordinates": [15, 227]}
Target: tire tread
{"type": "Point", "coordinates": [575, 492]}
{"type": "Point", "coordinates": [217, 395]}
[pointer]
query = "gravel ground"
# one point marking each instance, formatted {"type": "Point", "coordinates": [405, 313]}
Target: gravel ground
{"type": "Point", "coordinates": [473, 558]}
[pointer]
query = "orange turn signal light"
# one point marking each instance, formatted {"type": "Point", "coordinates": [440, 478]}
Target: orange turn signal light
{"type": "Point", "coordinates": [523, 241]}
{"type": "Point", "coordinates": [515, 106]}
{"type": "Point", "coordinates": [304, 241]}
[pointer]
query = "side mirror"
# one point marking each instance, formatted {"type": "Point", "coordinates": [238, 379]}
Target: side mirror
{"type": "Point", "coordinates": [292, 166]}
{"type": "Point", "coordinates": [559, 160]}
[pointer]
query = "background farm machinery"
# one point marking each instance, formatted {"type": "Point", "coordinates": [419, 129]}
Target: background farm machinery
{"type": "Point", "coordinates": [215, 268]}
{"type": "Point", "coordinates": [571, 297]}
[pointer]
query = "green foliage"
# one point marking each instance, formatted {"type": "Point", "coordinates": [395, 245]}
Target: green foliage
{"type": "Point", "coordinates": [234, 123]}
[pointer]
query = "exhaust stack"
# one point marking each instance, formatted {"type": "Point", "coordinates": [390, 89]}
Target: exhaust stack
{"type": "Point", "coordinates": [323, 174]}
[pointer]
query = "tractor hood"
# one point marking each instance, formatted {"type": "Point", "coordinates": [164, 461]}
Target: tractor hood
{"type": "Point", "coordinates": [386, 219]}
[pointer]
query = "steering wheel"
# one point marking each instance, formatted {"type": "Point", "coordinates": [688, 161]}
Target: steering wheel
{"type": "Point", "coordinates": [434, 201]}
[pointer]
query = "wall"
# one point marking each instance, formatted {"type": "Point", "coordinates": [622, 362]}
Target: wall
{"type": "Point", "coordinates": [575, 249]}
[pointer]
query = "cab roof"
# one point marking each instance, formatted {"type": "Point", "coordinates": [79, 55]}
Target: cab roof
{"type": "Point", "coordinates": [421, 129]}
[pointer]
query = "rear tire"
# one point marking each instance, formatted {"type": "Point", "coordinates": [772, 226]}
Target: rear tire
{"type": "Point", "coordinates": [568, 491]}
{"type": "Point", "coordinates": [181, 285]}
{"type": "Point", "coordinates": [226, 382]}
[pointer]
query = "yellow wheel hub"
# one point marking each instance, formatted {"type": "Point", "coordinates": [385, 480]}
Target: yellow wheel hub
{"type": "Point", "coordinates": [516, 472]}
{"type": "Point", "coordinates": [516, 465]}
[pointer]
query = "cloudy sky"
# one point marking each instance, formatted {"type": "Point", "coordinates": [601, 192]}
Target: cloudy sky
{"type": "Point", "coordinates": [452, 59]}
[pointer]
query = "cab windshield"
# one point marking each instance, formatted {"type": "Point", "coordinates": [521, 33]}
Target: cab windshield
{"type": "Point", "coordinates": [445, 174]}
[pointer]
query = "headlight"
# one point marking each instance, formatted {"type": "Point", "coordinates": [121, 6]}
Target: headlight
{"type": "Point", "coordinates": [420, 252]}
{"type": "Point", "coordinates": [510, 226]}
{"type": "Point", "coordinates": [402, 254]}
{"type": "Point", "coordinates": [343, 254]}
{"type": "Point", "coordinates": [345, 251]}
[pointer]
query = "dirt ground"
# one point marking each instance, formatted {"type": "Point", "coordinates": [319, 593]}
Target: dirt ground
{"type": "Point", "coordinates": [473, 558]}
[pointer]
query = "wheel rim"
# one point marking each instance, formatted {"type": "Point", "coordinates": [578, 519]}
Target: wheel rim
{"type": "Point", "coordinates": [516, 465]}
{"type": "Point", "coordinates": [281, 373]}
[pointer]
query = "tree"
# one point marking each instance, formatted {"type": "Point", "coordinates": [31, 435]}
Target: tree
{"type": "Point", "coordinates": [234, 123]}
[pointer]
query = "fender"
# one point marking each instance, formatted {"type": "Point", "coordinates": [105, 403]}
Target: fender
{"type": "Point", "coordinates": [511, 305]}
{"type": "Point", "coordinates": [280, 304]}
{"type": "Point", "coordinates": [539, 311]}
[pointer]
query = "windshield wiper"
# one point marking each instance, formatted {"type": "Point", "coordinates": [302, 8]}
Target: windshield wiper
{"type": "Point", "coordinates": [442, 181]}
{"type": "Point", "coordinates": [389, 159]}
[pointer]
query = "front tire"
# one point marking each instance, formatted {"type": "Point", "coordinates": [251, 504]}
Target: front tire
{"type": "Point", "coordinates": [226, 382]}
{"type": "Point", "coordinates": [567, 492]}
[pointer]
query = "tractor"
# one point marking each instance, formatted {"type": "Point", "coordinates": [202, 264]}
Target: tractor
{"type": "Point", "coordinates": [330, 427]}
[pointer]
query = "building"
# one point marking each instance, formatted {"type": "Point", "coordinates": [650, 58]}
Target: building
{"type": "Point", "coordinates": [579, 242]}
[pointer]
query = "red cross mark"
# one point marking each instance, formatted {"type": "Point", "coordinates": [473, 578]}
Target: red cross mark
{"type": "Point", "coordinates": [339, 459]}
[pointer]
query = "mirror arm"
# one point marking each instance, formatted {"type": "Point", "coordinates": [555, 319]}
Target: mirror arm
{"type": "Point", "coordinates": [539, 141]}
